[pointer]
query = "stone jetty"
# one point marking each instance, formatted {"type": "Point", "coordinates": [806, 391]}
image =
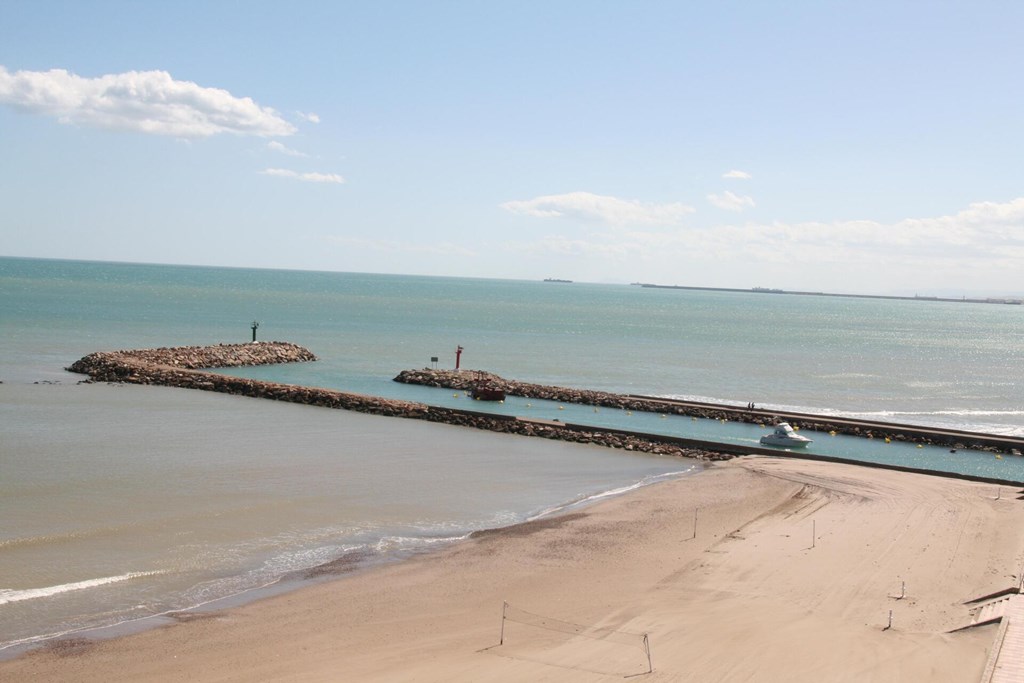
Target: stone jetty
{"type": "Point", "coordinates": [463, 380]}
{"type": "Point", "coordinates": [194, 357]}
{"type": "Point", "coordinates": [182, 367]}
{"type": "Point", "coordinates": [189, 367]}
{"type": "Point", "coordinates": [185, 367]}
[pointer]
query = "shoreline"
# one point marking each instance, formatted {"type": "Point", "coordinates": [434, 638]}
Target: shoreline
{"type": "Point", "coordinates": [367, 558]}
{"type": "Point", "coordinates": [751, 577]}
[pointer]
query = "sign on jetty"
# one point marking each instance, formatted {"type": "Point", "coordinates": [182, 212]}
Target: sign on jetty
{"type": "Point", "coordinates": [184, 367]}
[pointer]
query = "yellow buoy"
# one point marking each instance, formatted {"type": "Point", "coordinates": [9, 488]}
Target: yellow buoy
{"type": "Point", "coordinates": [455, 395]}
{"type": "Point", "coordinates": [662, 416]}
{"type": "Point", "coordinates": [629, 412]}
{"type": "Point", "coordinates": [832, 433]}
{"type": "Point", "coordinates": [887, 440]}
{"type": "Point", "coordinates": [920, 446]}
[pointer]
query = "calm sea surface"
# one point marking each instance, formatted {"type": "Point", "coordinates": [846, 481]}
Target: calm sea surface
{"type": "Point", "coordinates": [122, 502]}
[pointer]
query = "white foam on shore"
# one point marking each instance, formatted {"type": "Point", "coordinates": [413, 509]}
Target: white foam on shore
{"type": "Point", "coordinates": [400, 544]}
{"type": "Point", "coordinates": [9, 595]}
{"type": "Point", "coordinates": [594, 497]}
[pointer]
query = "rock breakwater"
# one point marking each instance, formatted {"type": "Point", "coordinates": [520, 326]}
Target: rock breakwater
{"type": "Point", "coordinates": [183, 367]}
{"type": "Point", "coordinates": [464, 380]}
{"type": "Point", "coordinates": [180, 367]}
{"type": "Point", "coordinates": [186, 366]}
{"type": "Point", "coordinates": [195, 357]}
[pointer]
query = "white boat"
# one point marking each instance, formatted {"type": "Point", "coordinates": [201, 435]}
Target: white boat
{"type": "Point", "coordinates": [785, 436]}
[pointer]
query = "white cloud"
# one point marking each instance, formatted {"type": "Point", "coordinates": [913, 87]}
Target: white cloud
{"type": "Point", "coordinates": [592, 207]}
{"type": "Point", "coordinates": [983, 227]}
{"type": "Point", "coordinates": [730, 202]}
{"type": "Point", "coordinates": [141, 101]}
{"type": "Point", "coordinates": [737, 175]}
{"type": "Point", "coordinates": [311, 117]}
{"type": "Point", "coordinates": [305, 177]}
{"type": "Point", "coordinates": [284, 149]}
{"type": "Point", "coordinates": [986, 237]}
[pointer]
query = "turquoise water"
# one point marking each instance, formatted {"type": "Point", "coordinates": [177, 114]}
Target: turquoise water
{"type": "Point", "coordinates": [119, 503]}
{"type": "Point", "coordinates": [935, 458]}
{"type": "Point", "coordinates": [933, 363]}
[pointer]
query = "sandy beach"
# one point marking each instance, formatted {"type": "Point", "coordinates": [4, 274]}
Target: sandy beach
{"type": "Point", "coordinates": [759, 569]}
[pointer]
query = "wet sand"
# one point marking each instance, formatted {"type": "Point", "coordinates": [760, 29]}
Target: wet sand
{"type": "Point", "coordinates": [791, 576]}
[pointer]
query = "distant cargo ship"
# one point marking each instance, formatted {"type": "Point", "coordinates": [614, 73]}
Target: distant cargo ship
{"type": "Point", "coordinates": [555, 279]}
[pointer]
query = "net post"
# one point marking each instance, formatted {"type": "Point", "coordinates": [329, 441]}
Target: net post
{"type": "Point", "coordinates": [647, 649]}
{"type": "Point", "coordinates": [504, 606]}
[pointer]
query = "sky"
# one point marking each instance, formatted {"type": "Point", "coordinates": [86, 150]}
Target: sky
{"type": "Point", "coordinates": [872, 147]}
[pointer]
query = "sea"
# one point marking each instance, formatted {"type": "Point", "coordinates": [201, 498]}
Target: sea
{"type": "Point", "coordinates": [122, 506]}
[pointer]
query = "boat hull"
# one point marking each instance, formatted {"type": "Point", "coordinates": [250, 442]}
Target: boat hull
{"type": "Point", "coordinates": [785, 443]}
